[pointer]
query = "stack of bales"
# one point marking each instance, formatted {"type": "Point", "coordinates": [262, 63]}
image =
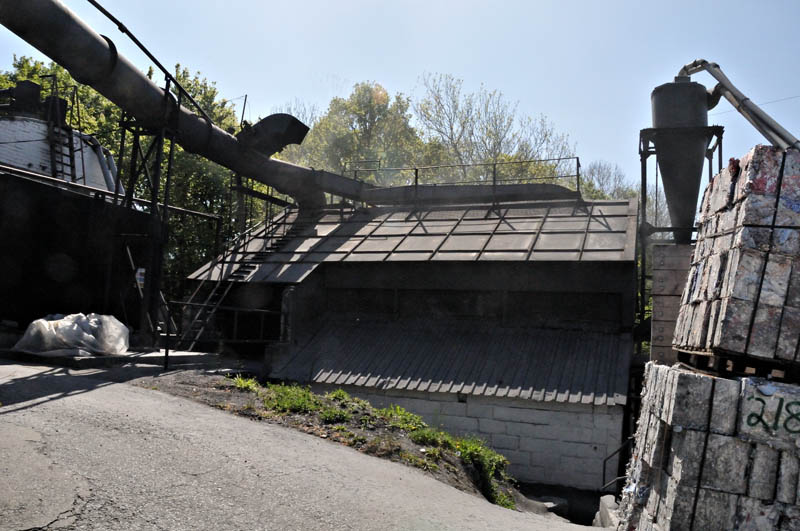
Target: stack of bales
{"type": "Point", "coordinates": [713, 453]}
{"type": "Point", "coordinates": [743, 292]}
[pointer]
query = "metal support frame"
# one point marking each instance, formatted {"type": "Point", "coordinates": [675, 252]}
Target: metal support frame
{"type": "Point", "coordinates": [647, 147]}
{"type": "Point", "coordinates": [150, 167]}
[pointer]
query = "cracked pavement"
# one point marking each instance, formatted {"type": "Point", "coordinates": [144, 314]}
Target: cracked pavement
{"type": "Point", "coordinates": [81, 451]}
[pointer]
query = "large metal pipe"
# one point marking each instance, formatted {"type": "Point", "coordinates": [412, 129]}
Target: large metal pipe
{"type": "Point", "coordinates": [764, 123]}
{"type": "Point", "coordinates": [92, 59]}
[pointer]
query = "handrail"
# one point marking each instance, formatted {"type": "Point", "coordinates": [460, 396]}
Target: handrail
{"type": "Point", "coordinates": [238, 243]}
{"type": "Point", "coordinates": [624, 445]}
{"type": "Point", "coordinates": [97, 192]}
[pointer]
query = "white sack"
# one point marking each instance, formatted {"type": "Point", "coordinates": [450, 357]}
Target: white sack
{"type": "Point", "coordinates": [101, 334]}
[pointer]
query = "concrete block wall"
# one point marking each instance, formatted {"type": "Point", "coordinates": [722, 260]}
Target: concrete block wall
{"type": "Point", "coordinates": [743, 289]}
{"type": "Point", "coordinates": [670, 267]}
{"type": "Point", "coordinates": [713, 453]}
{"type": "Point", "coordinates": [546, 442]}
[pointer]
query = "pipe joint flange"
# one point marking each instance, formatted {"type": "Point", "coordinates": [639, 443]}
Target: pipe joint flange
{"type": "Point", "coordinates": [107, 71]}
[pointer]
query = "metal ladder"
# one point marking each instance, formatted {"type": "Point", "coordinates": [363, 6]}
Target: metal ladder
{"type": "Point", "coordinates": [237, 264]}
{"type": "Point", "coordinates": [62, 152]}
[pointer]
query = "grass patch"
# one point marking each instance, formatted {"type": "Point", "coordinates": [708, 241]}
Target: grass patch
{"type": "Point", "coordinates": [419, 462]}
{"type": "Point", "coordinates": [290, 399]}
{"type": "Point", "coordinates": [504, 500]}
{"type": "Point", "coordinates": [433, 437]}
{"type": "Point", "coordinates": [488, 465]}
{"type": "Point", "coordinates": [401, 419]}
{"type": "Point", "coordinates": [385, 433]}
{"type": "Point", "coordinates": [249, 385]}
{"type": "Point", "coordinates": [334, 415]}
{"type": "Point", "coordinates": [434, 454]}
{"type": "Point", "coordinates": [339, 395]}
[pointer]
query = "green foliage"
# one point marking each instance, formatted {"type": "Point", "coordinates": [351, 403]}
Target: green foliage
{"type": "Point", "coordinates": [418, 462]}
{"type": "Point", "coordinates": [603, 180]}
{"type": "Point", "coordinates": [433, 454]}
{"type": "Point", "coordinates": [338, 395]}
{"type": "Point", "coordinates": [488, 464]}
{"type": "Point", "coordinates": [245, 384]}
{"type": "Point", "coordinates": [332, 415]}
{"type": "Point", "coordinates": [504, 500]}
{"type": "Point", "coordinates": [475, 451]}
{"type": "Point", "coordinates": [368, 125]}
{"type": "Point", "coordinates": [433, 437]}
{"type": "Point", "coordinates": [400, 419]}
{"type": "Point", "coordinates": [290, 399]}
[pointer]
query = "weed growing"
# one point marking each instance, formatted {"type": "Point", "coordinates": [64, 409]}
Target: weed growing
{"type": "Point", "coordinates": [333, 415]}
{"type": "Point", "coordinates": [290, 399]}
{"type": "Point", "coordinates": [488, 464]}
{"type": "Point", "coordinates": [418, 462]}
{"type": "Point", "coordinates": [400, 419]}
{"type": "Point", "coordinates": [433, 437]}
{"type": "Point", "coordinates": [339, 395]}
{"type": "Point", "coordinates": [245, 384]}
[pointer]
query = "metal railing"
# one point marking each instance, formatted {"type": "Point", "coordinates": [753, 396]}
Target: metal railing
{"type": "Point", "coordinates": [229, 261]}
{"type": "Point", "coordinates": [565, 171]}
{"type": "Point", "coordinates": [622, 447]}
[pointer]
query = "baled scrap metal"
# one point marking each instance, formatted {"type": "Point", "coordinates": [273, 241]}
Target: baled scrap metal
{"type": "Point", "coordinates": [735, 470]}
{"type": "Point", "coordinates": [742, 295]}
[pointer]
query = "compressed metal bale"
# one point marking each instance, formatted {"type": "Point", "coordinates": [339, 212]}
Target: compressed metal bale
{"type": "Point", "coordinates": [789, 335]}
{"type": "Point", "coordinates": [788, 472]}
{"type": "Point", "coordinates": [733, 325]}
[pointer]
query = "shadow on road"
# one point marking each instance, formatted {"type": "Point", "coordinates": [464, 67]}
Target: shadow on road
{"type": "Point", "coordinates": [28, 390]}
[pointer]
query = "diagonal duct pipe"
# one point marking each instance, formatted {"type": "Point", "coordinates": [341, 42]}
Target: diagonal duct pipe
{"type": "Point", "coordinates": [92, 59]}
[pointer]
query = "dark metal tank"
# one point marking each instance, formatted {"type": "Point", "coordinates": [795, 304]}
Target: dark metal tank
{"type": "Point", "coordinates": [680, 113]}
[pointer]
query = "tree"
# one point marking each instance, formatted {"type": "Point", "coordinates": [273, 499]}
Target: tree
{"type": "Point", "coordinates": [485, 128]}
{"type": "Point", "coordinates": [604, 180]}
{"type": "Point", "coordinates": [368, 125]}
{"type": "Point", "coordinates": [448, 116]}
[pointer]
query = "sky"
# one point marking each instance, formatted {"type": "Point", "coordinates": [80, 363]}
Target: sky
{"type": "Point", "coordinates": [589, 66]}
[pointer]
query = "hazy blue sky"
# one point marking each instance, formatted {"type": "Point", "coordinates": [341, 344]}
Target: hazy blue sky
{"type": "Point", "coordinates": [588, 66]}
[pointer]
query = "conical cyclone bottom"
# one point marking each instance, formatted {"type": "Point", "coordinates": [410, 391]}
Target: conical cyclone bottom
{"type": "Point", "coordinates": [680, 158]}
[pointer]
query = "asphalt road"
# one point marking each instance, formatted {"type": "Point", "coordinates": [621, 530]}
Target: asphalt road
{"type": "Point", "coordinates": [79, 451]}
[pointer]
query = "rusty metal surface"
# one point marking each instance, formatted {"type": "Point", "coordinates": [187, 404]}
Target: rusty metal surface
{"type": "Point", "coordinates": [468, 357]}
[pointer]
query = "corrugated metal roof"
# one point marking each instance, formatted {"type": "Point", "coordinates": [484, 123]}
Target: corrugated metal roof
{"type": "Point", "coordinates": [560, 230]}
{"type": "Point", "coordinates": [544, 365]}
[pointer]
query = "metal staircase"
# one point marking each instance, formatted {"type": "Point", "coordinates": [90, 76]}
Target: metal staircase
{"type": "Point", "coordinates": [236, 264]}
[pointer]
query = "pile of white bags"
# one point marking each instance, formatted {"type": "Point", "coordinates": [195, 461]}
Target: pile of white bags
{"type": "Point", "coordinates": [100, 334]}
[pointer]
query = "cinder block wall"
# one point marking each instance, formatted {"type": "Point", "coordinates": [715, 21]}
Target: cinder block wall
{"type": "Point", "coordinates": [546, 442]}
{"type": "Point", "coordinates": [670, 268]}
{"type": "Point", "coordinates": [713, 453]}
